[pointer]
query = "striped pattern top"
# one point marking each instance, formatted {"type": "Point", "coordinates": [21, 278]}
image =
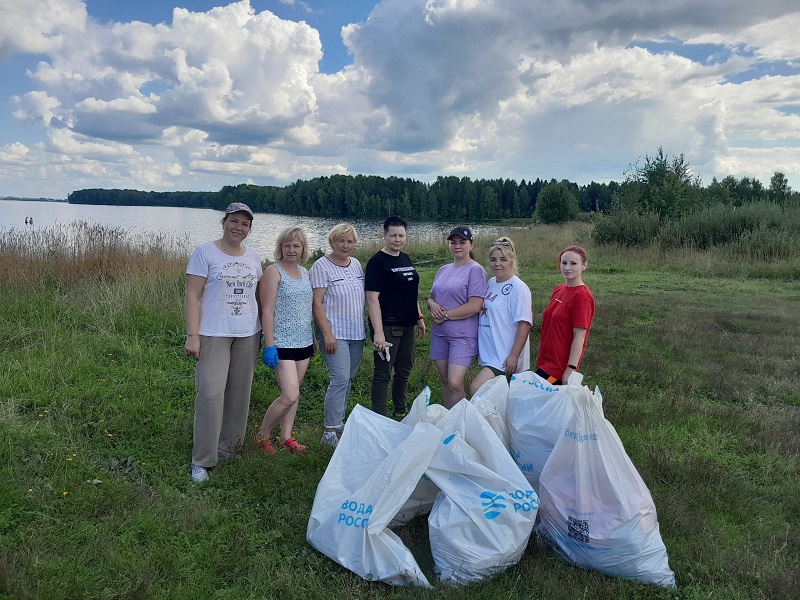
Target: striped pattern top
{"type": "Point", "coordinates": [344, 296]}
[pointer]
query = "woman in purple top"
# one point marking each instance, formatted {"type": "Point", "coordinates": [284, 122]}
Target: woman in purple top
{"type": "Point", "coordinates": [456, 298]}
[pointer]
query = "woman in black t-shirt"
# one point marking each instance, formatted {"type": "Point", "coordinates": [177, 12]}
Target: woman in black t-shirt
{"type": "Point", "coordinates": [392, 286]}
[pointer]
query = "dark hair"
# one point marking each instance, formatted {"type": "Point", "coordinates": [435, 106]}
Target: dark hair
{"type": "Point", "coordinates": [394, 221]}
{"type": "Point", "coordinates": [576, 249]}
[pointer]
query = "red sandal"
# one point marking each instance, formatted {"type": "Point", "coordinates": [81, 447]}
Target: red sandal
{"type": "Point", "coordinates": [292, 446]}
{"type": "Point", "coordinates": [264, 443]}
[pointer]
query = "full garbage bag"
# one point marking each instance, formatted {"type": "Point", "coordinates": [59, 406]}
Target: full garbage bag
{"type": "Point", "coordinates": [537, 414]}
{"type": "Point", "coordinates": [421, 499]}
{"type": "Point", "coordinates": [374, 469]}
{"type": "Point", "coordinates": [596, 510]}
{"type": "Point", "coordinates": [491, 400]}
{"type": "Point", "coordinates": [484, 515]}
{"type": "Point", "coordinates": [422, 411]}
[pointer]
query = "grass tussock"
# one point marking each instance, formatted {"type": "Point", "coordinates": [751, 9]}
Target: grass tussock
{"type": "Point", "coordinates": [696, 356]}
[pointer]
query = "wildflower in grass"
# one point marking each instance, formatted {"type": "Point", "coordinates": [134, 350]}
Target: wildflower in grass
{"type": "Point", "coordinates": [64, 493]}
{"type": "Point", "coordinates": [30, 490]}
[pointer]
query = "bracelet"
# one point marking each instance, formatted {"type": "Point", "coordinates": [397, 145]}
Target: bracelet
{"type": "Point", "coordinates": [573, 367]}
{"type": "Point", "coordinates": [445, 316]}
{"type": "Point", "coordinates": [420, 318]}
{"type": "Point", "coordinates": [191, 335]}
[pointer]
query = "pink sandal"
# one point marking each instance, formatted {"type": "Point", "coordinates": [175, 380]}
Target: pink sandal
{"type": "Point", "coordinates": [292, 446]}
{"type": "Point", "coordinates": [264, 443]}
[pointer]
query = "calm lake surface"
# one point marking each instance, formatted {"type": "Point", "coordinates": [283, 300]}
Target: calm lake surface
{"type": "Point", "coordinates": [198, 225]}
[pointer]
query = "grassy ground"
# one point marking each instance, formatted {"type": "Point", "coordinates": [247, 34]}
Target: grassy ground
{"type": "Point", "coordinates": [696, 357]}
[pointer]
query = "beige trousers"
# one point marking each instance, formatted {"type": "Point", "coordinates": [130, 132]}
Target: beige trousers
{"type": "Point", "coordinates": [223, 381]}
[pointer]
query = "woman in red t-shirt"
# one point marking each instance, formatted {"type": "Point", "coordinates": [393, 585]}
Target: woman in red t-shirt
{"type": "Point", "coordinates": [566, 321]}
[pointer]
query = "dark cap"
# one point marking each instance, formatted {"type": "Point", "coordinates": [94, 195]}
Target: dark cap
{"type": "Point", "coordinates": [462, 231]}
{"type": "Point", "coordinates": [235, 207]}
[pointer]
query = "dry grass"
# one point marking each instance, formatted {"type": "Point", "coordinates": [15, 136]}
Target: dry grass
{"type": "Point", "coordinates": [81, 250]}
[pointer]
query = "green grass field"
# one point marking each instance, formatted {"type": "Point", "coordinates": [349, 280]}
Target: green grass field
{"type": "Point", "coordinates": [696, 356]}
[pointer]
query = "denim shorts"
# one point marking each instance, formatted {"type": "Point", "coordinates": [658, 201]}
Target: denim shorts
{"type": "Point", "coordinates": [456, 350]}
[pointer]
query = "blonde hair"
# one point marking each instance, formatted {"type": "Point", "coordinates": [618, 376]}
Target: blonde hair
{"type": "Point", "coordinates": [506, 248]}
{"type": "Point", "coordinates": [341, 231]}
{"type": "Point", "coordinates": [287, 235]}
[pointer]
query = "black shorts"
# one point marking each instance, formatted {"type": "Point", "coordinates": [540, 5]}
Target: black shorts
{"type": "Point", "coordinates": [296, 353]}
{"type": "Point", "coordinates": [498, 372]}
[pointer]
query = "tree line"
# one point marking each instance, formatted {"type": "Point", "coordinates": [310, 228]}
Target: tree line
{"type": "Point", "coordinates": [371, 197]}
{"type": "Point", "coordinates": [658, 185]}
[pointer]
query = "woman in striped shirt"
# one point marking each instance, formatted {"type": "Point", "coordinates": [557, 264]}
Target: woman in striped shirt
{"type": "Point", "coordinates": [338, 283]}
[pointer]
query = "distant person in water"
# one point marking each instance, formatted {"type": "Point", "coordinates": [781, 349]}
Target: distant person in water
{"type": "Point", "coordinates": [26, 220]}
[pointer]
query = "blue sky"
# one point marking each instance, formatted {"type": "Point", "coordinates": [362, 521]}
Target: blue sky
{"type": "Point", "coordinates": [155, 96]}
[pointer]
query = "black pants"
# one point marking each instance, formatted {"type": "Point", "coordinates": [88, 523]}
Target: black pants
{"type": "Point", "coordinates": [401, 359]}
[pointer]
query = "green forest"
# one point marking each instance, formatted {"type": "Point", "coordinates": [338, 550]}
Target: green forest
{"type": "Point", "coordinates": [659, 201]}
{"type": "Point", "coordinates": [461, 198]}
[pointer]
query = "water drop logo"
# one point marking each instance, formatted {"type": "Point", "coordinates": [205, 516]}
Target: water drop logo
{"type": "Point", "coordinates": [492, 503]}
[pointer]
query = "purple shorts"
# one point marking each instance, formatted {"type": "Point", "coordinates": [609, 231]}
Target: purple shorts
{"type": "Point", "coordinates": [455, 350]}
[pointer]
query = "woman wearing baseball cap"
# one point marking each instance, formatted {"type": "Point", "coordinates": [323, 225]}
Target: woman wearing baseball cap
{"type": "Point", "coordinates": [223, 334]}
{"type": "Point", "coordinates": [456, 298]}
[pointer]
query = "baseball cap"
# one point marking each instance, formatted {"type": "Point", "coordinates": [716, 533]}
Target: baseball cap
{"type": "Point", "coordinates": [235, 207]}
{"type": "Point", "coordinates": [462, 231]}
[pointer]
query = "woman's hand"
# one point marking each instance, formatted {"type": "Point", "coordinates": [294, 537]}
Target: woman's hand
{"type": "Point", "coordinates": [510, 364]}
{"type": "Point", "coordinates": [192, 346]}
{"type": "Point", "coordinates": [421, 328]}
{"type": "Point", "coordinates": [271, 357]}
{"type": "Point", "coordinates": [379, 341]}
{"type": "Point", "coordinates": [438, 313]}
{"type": "Point", "coordinates": [330, 344]}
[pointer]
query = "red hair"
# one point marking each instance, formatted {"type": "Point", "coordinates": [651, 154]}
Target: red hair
{"type": "Point", "coordinates": [576, 249]}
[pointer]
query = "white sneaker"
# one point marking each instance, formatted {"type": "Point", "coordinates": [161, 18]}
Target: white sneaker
{"type": "Point", "coordinates": [199, 474]}
{"type": "Point", "coordinates": [329, 438]}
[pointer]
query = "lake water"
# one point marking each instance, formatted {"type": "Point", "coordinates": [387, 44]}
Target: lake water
{"type": "Point", "coordinates": [197, 225]}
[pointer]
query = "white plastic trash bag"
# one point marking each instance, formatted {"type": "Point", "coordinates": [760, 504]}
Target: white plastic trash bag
{"type": "Point", "coordinates": [491, 400]}
{"type": "Point", "coordinates": [596, 510]}
{"type": "Point", "coordinates": [371, 474]}
{"type": "Point", "coordinates": [537, 414]}
{"type": "Point", "coordinates": [422, 411]}
{"type": "Point", "coordinates": [483, 517]}
{"type": "Point", "coordinates": [421, 499]}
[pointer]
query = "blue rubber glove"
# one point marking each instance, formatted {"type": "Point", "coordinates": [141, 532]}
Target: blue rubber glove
{"type": "Point", "coordinates": [271, 356]}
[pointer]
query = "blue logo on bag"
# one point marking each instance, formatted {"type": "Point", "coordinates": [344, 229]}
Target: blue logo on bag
{"type": "Point", "coordinates": [491, 504]}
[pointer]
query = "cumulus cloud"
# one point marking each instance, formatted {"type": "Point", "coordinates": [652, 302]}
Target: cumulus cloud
{"type": "Point", "coordinates": [484, 88]}
{"type": "Point", "coordinates": [37, 26]}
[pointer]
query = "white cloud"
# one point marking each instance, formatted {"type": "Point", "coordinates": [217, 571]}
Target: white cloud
{"type": "Point", "coordinates": [14, 153]}
{"type": "Point", "coordinates": [37, 26]}
{"type": "Point", "coordinates": [482, 88]}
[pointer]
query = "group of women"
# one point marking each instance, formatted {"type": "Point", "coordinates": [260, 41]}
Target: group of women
{"type": "Point", "coordinates": [230, 304]}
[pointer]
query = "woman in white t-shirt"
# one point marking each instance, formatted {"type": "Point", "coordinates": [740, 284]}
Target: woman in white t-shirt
{"type": "Point", "coordinates": [504, 322]}
{"type": "Point", "coordinates": [223, 334]}
{"type": "Point", "coordinates": [338, 283]}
